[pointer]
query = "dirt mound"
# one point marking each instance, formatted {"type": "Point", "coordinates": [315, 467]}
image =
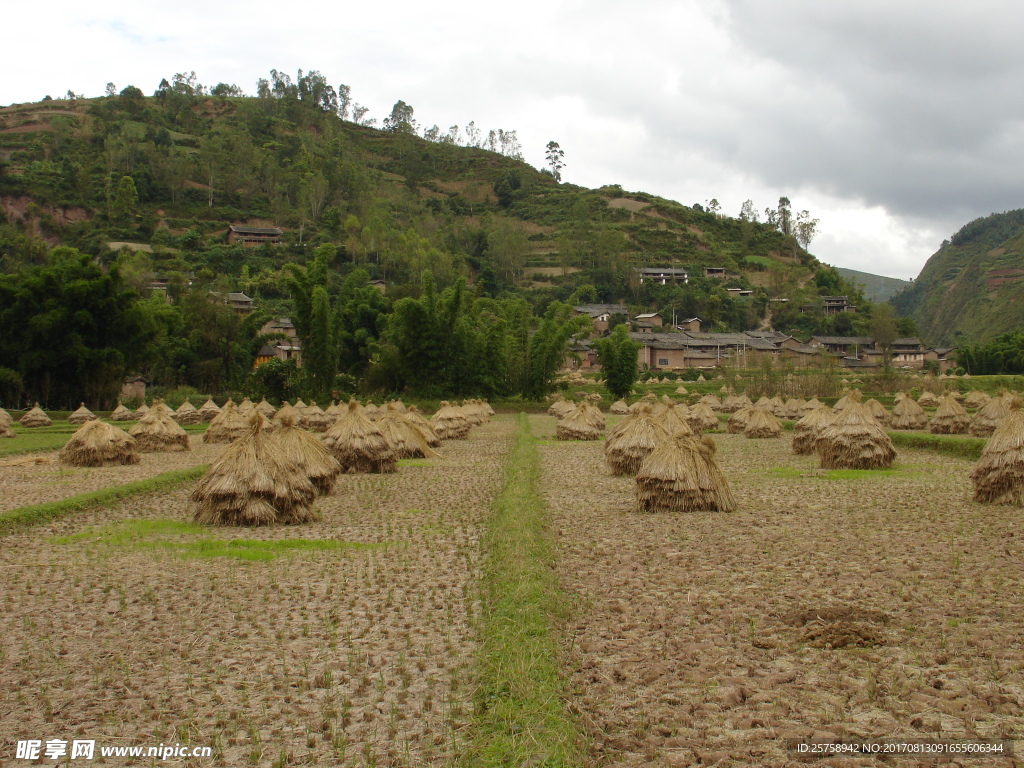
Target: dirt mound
{"type": "Point", "coordinates": [839, 627]}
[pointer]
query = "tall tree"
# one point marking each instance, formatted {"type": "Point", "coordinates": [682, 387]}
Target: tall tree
{"type": "Point", "coordinates": [617, 354]}
{"type": "Point", "coordinates": [883, 328]}
{"type": "Point", "coordinates": [555, 156]}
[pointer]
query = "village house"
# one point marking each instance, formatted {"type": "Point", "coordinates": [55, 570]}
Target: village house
{"type": "Point", "coordinates": [238, 233]}
{"type": "Point", "coordinates": [718, 272]}
{"type": "Point", "coordinates": [238, 301]}
{"type": "Point", "coordinates": [663, 275]}
{"type": "Point", "coordinates": [601, 314]}
{"type": "Point", "coordinates": [286, 348]}
{"type": "Point", "coordinates": [692, 324]}
{"type": "Point", "coordinates": [649, 320]}
{"type": "Point", "coordinates": [907, 352]}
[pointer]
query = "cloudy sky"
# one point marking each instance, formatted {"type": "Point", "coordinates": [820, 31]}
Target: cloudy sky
{"type": "Point", "coordinates": [892, 122]}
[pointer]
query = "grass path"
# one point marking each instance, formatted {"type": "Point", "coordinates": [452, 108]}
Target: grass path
{"type": "Point", "coordinates": [521, 716]}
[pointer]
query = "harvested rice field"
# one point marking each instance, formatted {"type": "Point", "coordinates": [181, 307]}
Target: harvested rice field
{"type": "Point", "coordinates": [830, 605]}
{"type": "Point", "coordinates": [343, 642]}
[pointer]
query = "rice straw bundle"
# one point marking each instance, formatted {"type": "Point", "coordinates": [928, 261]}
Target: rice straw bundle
{"type": "Point", "coordinates": [5, 418]}
{"type": "Point", "coordinates": [35, 418]}
{"type": "Point", "coordinates": [762, 424]}
{"type": "Point", "coordinates": [334, 411]}
{"type": "Point", "coordinates": [648, 400]}
{"type": "Point", "coordinates": [358, 444]}
{"type": "Point", "coordinates": [158, 432]}
{"type": "Point", "coordinates": [370, 411]}
{"type": "Point", "coordinates": [949, 419]}
{"type": "Point", "coordinates": [472, 413]}
{"type": "Point", "coordinates": [810, 405]}
{"type": "Point", "coordinates": [254, 483]}
{"type": "Point", "coordinates": [763, 402]}
{"type": "Point", "coordinates": [619, 408]}
{"type": "Point", "coordinates": [794, 408]}
{"type": "Point", "coordinates": [674, 418]}
{"type": "Point", "coordinates": [702, 419]}
{"type": "Point", "coordinates": [899, 397]}
{"type": "Point", "coordinates": [738, 421]}
{"type": "Point", "coordinates": [245, 406]}
{"type": "Point", "coordinates": [187, 414]}
{"type": "Point", "coordinates": [989, 416]}
{"type": "Point", "coordinates": [6, 431]}
{"type": "Point", "coordinates": [81, 416]}
{"type": "Point", "coordinates": [490, 411]}
{"type": "Point", "coordinates": [560, 407]}
{"type": "Point", "coordinates": [209, 410]}
{"type": "Point", "coordinates": [976, 398]}
{"type": "Point", "coordinates": [908, 415]}
{"type": "Point", "coordinates": [681, 390]}
{"type": "Point", "coordinates": [404, 434]}
{"type": "Point", "coordinates": [877, 410]}
{"type": "Point", "coordinates": [142, 410]}
{"type": "Point", "coordinates": [266, 408]}
{"type": "Point", "coordinates": [576, 426]}
{"type": "Point", "coordinates": [122, 414]}
{"type": "Point", "coordinates": [681, 475]}
{"type": "Point", "coordinates": [845, 400]}
{"type": "Point", "coordinates": [417, 419]}
{"type": "Point", "coordinates": [314, 419]}
{"type": "Point", "coordinates": [631, 441]}
{"type": "Point", "coordinates": [998, 476]}
{"type": "Point", "coordinates": [161, 407]}
{"type": "Point", "coordinates": [308, 453]}
{"type": "Point", "coordinates": [449, 423]}
{"type": "Point", "coordinates": [809, 427]}
{"type": "Point", "coordinates": [227, 426]}
{"type": "Point", "coordinates": [928, 400]}
{"type": "Point", "coordinates": [289, 412]}
{"type": "Point", "coordinates": [594, 416]}
{"type": "Point", "coordinates": [98, 444]}
{"type": "Point", "coordinates": [854, 440]}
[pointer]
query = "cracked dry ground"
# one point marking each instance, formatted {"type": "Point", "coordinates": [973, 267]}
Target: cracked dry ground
{"type": "Point", "coordinates": [886, 606]}
{"type": "Point", "coordinates": [356, 656]}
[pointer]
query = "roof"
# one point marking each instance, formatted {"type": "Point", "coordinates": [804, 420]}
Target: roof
{"type": "Point", "coordinates": [244, 230]}
{"type": "Point", "coordinates": [908, 342]}
{"type": "Point", "coordinates": [662, 271]}
{"type": "Point", "coordinates": [804, 349]}
{"type": "Point", "coordinates": [833, 298]}
{"type": "Point", "coordinates": [265, 351]}
{"type": "Point", "coordinates": [944, 350]}
{"type": "Point", "coordinates": [843, 340]}
{"type": "Point", "coordinates": [693, 340]}
{"type": "Point", "coordinates": [647, 315]}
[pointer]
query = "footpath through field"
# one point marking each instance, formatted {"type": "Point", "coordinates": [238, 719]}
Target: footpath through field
{"type": "Point", "coordinates": [351, 641]}
{"type": "Point", "coordinates": [829, 606]}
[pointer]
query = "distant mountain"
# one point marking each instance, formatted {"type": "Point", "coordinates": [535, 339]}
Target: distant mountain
{"type": "Point", "coordinates": [877, 288]}
{"type": "Point", "coordinates": [972, 288]}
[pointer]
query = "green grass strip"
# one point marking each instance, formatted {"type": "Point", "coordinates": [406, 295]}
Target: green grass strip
{"type": "Point", "coordinates": [951, 445]}
{"type": "Point", "coordinates": [521, 717]}
{"type": "Point", "coordinates": [35, 514]}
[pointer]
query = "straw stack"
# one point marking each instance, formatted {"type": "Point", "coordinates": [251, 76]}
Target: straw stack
{"type": "Point", "coordinates": [358, 444]}
{"type": "Point", "coordinates": [122, 414]}
{"type": "Point", "coordinates": [266, 408]}
{"type": "Point", "coordinates": [619, 408]}
{"type": "Point", "coordinates": [877, 410]}
{"type": "Point", "coordinates": [187, 414]}
{"type": "Point", "coordinates": [142, 410]}
{"type": "Point", "coordinates": [998, 476]}
{"type": "Point", "coordinates": [631, 441]}
{"type": "Point", "coordinates": [208, 411]}
{"type": "Point", "coordinates": [855, 440]}
{"type": "Point", "coordinates": [227, 426]}
{"type": "Point", "coordinates": [702, 419]}
{"type": "Point", "coordinates": [576, 426]}
{"type": "Point", "coordinates": [908, 415]}
{"type": "Point", "coordinates": [158, 432]}
{"type": "Point", "coordinates": [928, 400]}
{"type": "Point", "coordinates": [449, 423]}
{"type": "Point", "coordinates": [414, 416]}
{"type": "Point", "coordinates": [738, 421]}
{"type": "Point", "coordinates": [81, 416]}
{"type": "Point", "coordinates": [762, 424]}
{"type": "Point", "coordinates": [989, 416]}
{"type": "Point", "coordinates": [288, 411]}
{"type": "Point", "coordinates": [976, 398]}
{"type": "Point", "coordinates": [247, 405]}
{"type": "Point", "coordinates": [560, 407]}
{"type": "Point", "coordinates": [254, 482]}
{"type": "Point", "coordinates": [97, 444]}
{"type": "Point", "coordinates": [5, 418]}
{"type": "Point", "coordinates": [314, 419]}
{"type": "Point", "coordinates": [6, 431]}
{"type": "Point", "coordinates": [404, 434]}
{"type": "Point", "coordinates": [308, 453]}
{"type": "Point", "coordinates": [807, 430]}
{"type": "Point", "coordinates": [949, 419]}
{"type": "Point", "coordinates": [370, 411]}
{"type": "Point", "coordinates": [334, 411]}
{"type": "Point", "coordinates": [681, 475]}
{"type": "Point", "coordinates": [35, 418]}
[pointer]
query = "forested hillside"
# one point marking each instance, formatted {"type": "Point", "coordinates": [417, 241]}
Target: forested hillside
{"type": "Point", "coordinates": [137, 188]}
{"type": "Point", "coordinates": [971, 290]}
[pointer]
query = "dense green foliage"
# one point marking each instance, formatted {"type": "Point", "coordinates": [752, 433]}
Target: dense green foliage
{"type": "Point", "coordinates": [972, 288]}
{"type": "Point", "coordinates": [147, 187]}
{"type": "Point", "coordinates": [1001, 355]}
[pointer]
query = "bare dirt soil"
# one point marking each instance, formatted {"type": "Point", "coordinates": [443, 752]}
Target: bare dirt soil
{"type": "Point", "coordinates": [25, 483]}
{"type": "Point", "coordinates": [830, 606]}
{"type": "Point", "coordinates": [351, 656]}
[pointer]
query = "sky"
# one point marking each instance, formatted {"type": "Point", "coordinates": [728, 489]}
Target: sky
{"type": "Point", "coordinates": [894, 123]}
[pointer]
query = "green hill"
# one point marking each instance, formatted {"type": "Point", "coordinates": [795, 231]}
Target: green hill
{"type": "Point", "coordinates": [877, 288]}
{"type": "Point", "coordinates": [972, 288]}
